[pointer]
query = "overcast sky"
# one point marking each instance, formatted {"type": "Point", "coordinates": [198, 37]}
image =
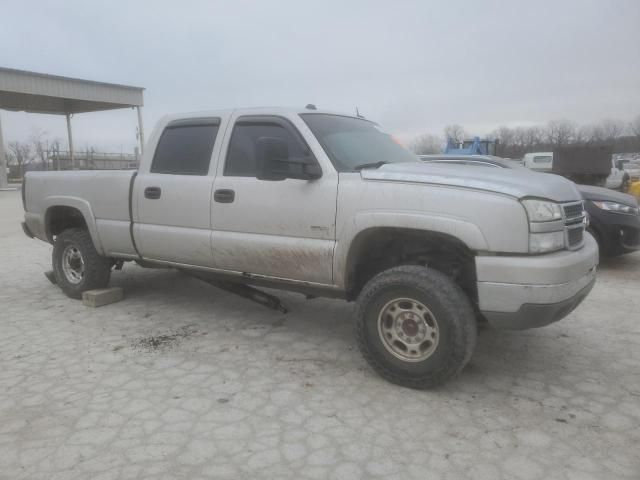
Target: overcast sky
{"type": "Point", "coordinates": [413, 66]}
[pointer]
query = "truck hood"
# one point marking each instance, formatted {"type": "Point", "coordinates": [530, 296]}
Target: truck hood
{"type": "Point", "coordinates": [517, 183]}
{"type": "Point", "coordinates": [606, 195]}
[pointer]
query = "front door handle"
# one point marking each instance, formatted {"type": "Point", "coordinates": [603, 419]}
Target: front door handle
{"type": "Point", "coordinates": [152, 193]}
{"type": "Point", "coordinates": [224, 196]}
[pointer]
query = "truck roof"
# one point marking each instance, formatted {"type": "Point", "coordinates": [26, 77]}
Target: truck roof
{"type": "Point", "coordinates": [255, 111]}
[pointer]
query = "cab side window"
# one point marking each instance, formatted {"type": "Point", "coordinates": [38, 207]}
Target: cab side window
{"type": "Point", "coordinates": [185, 147]}
{"type": "Point", "coordinates": [241, 154]}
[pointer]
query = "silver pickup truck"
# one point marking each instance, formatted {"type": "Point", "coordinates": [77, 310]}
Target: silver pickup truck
{"type": "Point", "coordinates": [328, 204]}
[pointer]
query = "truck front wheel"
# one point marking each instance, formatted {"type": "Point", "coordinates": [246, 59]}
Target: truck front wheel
{"type": "Point", "coordinates": [77, 265]}
{"type": "Point", "coordinates": [415, 326]}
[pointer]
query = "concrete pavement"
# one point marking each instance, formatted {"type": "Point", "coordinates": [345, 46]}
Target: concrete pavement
{"type": "Point", "coordinates": [181, 380]}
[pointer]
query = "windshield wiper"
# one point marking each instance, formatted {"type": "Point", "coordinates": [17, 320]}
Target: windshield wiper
{"type": "Point", "coordinates": [369, 165]}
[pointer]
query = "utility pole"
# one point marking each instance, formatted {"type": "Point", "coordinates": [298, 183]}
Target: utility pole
{"type": "Point", "coordinates": [140, 129]}
{"type": "Point", "coordinates": [70, 136]}
{"type": "Point", "coordinates": [3, 161]}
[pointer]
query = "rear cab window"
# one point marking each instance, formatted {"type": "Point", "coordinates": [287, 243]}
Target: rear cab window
{"type": "Point", "coordinates": [185, 147]}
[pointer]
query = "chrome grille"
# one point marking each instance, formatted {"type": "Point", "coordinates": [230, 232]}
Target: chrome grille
{"type": "Point", "coordinates": [573, 210]}
{"type": "Point", "coordinates": [574, 224]}
{"type": "Point", "coordinates": [575, 236]}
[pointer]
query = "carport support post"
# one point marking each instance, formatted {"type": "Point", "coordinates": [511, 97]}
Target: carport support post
{"type": "Point", "coordinates": [140, 130]}
{"type": "Point", "coordinates": [3, 161]}
{"type": "Point", "coordinates": [70, 135]}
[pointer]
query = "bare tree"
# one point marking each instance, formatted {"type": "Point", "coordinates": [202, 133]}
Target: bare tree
{"type": "Point", "coordinates": [634, 127]}
{"type": "Point", "coordinates": [425, 144]}
{"type": "Point", "coordinates": [560, 132]}
{"type": "Point", "coordinates": [588, 134]}
{"type": "Point", "coordinates": [40, 146]}
{"type": "Point", "coordinates": [21, 154]}
{"type": "Point", "coordinates": [532, 137]}
{"type": "Point", "coordinates": [604, 131]}
{"type": "Point", "coordinates": [54, 150]}
{"type": "Point", "coordinates": [515, 142]}
{"type": "Point", "coordinates": [505, 135]}
{"type": "Point", "coordinates": [454, 132]}
{"type": "Point", "coordinates": [506, 138]}
{"type": "Point", "coordinates": [612, 129]}
{"type": "Point", "coordinates": [518, 140]}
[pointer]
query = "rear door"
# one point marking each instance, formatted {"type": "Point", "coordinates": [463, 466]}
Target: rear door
{"type": "Point", "coordinates": [172, 196]}
{"type": "Point", "coordinates": [282, 229]}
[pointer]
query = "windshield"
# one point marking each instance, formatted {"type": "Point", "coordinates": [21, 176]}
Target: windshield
{"type": "Point", "coordinates": [354, 142]}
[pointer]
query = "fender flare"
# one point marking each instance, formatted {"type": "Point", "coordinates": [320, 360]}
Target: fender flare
{"type": "Point", "coordinates": [464, 231]}
{"type": "Point", "coordinates": [79, 204]}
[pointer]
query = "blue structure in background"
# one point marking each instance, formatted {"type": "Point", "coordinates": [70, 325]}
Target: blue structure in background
{"type": "Point", "coordinates": [471, 147]}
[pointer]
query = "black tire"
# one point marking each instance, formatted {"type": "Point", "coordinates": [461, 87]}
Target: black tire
{"type": "Point", "coordinates": [448, 305]}
{"type": "Point", "coordinates": [96, 269]}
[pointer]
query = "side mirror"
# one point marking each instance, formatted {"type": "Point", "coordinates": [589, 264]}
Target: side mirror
{"type": "Point", "coordinates": [274, 163]}
{"type": "Point", "coordinates": [272, 158]}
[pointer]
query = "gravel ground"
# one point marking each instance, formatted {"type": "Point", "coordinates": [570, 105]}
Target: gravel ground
{"type": "Point", "coordinates": [181, 380]}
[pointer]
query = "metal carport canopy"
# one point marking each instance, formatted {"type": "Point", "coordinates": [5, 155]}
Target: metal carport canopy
{"type": "Point", "coordinates": [42, 93]}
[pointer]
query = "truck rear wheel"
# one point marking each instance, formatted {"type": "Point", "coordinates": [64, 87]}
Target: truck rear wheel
{"type": "Point", "coordinates": [77, 265]}
{"type": "Point", "coordinates": [415, 326]}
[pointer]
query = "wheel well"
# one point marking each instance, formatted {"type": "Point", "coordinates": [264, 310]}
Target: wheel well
{"type": "Point", "coordinates": [61, 218]}
{"type": "Point", "coordinates": [379, 249]}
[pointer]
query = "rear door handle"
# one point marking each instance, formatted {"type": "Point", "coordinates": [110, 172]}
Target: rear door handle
{"type": "Point", "coordinates": [152, 193]}
{"type": "Point", "coordinates": [224, 196]}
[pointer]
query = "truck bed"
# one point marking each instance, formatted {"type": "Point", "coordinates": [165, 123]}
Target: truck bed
{"type": "Point", "coordinates": [583, 160]}
{"type": "Point", "coordinates": [102, 195]}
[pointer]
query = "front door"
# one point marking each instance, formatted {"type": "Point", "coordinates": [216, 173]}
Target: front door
{"type": "Point", "coordinates": [283, 229]}
{"type": "Point", "coordinates": [172, 218]}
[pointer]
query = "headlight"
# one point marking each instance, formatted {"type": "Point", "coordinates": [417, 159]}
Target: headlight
{"type": "Point", "coordinates": [617, 207]}
{"type": "Point", "coordinates": [542, 211]}
{"type": "Point", "coordinates": [546, 242]}
{"type": "Point", "coordinates": [546, 226]}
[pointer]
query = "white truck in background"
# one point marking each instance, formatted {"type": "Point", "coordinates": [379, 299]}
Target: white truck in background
{"type": "Point", "coordinates": [327, 204]}
{"type": "Point", "coordinates": [538, 161]}
{"type": "Point", "coordinates": [618, 178]}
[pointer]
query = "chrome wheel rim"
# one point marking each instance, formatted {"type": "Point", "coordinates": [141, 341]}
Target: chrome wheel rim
{"type": "Point", "coordinates": [73, 264]}
{"type": "Point", "coordinates": [408, 329]}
